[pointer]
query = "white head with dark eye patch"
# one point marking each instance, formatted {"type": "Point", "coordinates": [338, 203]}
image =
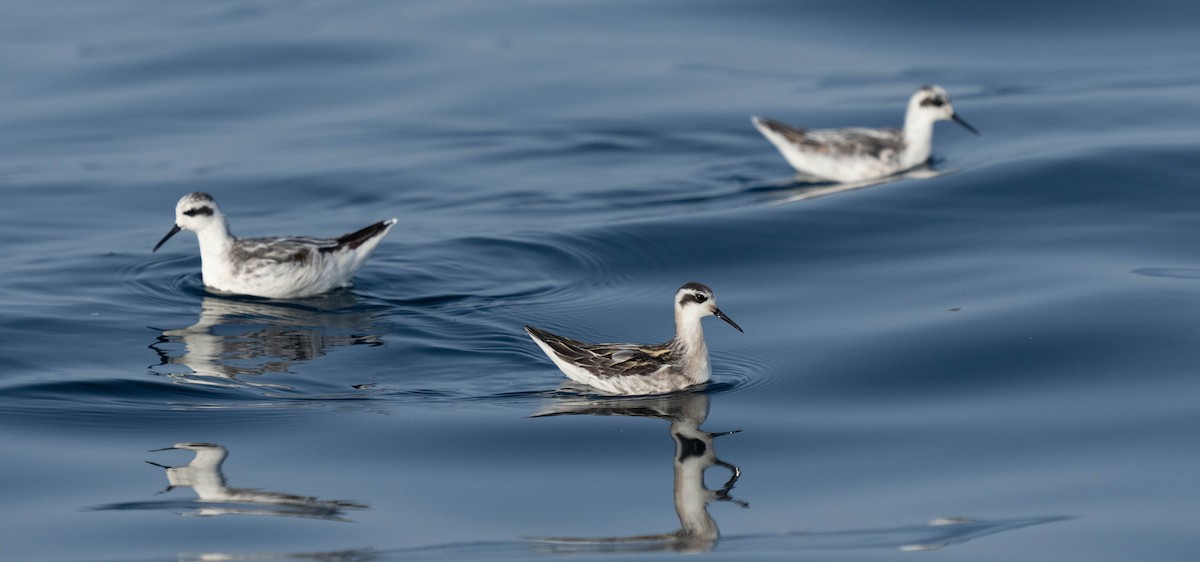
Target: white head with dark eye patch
{"type": "Point", "coordinates": [694, 301]}
{"type": "Point", "coordinates": [931, 103]}
{"type": "Point", "coordinates": [197, 212]}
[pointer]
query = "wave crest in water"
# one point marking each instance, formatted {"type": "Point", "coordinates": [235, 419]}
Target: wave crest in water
{"type": "Point", "coordinates": [1184, 273]}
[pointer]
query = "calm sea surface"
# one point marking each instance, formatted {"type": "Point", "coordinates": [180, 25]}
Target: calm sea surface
{"type": "Point", "coordinates": [998, 362]}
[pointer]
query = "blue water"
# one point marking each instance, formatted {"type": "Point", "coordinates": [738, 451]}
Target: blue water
{"type": "Point", "coordinates": [1011, 342]}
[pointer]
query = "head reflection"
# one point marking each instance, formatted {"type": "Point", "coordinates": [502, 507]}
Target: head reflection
{"type": "Point", "coordinates": [694, 453]}
{"type": "Point", "coordinates": [214, 497]}
{"type": "Point", "coordinates": [237, 337]}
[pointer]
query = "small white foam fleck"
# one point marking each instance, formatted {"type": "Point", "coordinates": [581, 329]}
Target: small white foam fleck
{"type": "Point", "coordinates": [940, 521]}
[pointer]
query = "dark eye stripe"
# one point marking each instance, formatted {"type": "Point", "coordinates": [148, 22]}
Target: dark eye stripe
{"type": "Point", "coordinates": [206, 211]}
{"type": "Point", "coordinates": [689, 297]}
{"type": "Point", "coordinates": [936, 102]}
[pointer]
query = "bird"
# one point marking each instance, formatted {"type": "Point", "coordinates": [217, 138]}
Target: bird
{"type": "Point", "coordinates": [635, 369]}
{"type": "Point", "coordinates": [278, 267]}
{"type": "Point", "coordinates": [859, 154]}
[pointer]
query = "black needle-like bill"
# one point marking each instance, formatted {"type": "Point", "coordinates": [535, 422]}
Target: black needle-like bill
{"type": "Point", "coordinates": [963, 122]}
{"type": "Point", "coordinates": [174, 230]}
{"type": "Point", "coordinates": [717, 312]}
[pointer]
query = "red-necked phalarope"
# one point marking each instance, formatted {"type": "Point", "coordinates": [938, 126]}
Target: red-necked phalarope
{"type": "Point", "coordinates": [627, 368]}
{"type": "Point", "coordinates": [276, 267]}
{"type": "Point", "coordinates": [849, 155]}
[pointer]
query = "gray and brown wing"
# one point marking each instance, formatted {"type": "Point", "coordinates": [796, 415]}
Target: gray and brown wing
{"type": "Point", "coordinates": [837, 142]}
{"type": "Point", "coordinates": [299, 250]}
{"type": "Point", "coordinates": [280, 251]}
{"type": "Point", "coordinates": [606, 359]}
{"type": "Point", "coordinates": [871, 143]}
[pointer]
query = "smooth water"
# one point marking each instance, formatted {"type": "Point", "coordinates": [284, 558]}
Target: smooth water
{"type": "Point", "coordinates": [997, 360]}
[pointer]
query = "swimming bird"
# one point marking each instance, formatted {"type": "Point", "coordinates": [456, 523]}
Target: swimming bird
{"type": "Point", "coordinates": [279, 267]}
{"type": "Point", "coordinates": [626, 368]}
{"type": "Point", "coordinates": [857, 154]}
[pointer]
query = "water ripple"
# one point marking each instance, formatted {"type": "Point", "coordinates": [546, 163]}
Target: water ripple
{"type": "Point", "coordinates": [740, 373]}
{"type": "Point", "coordinates": [168, 281]}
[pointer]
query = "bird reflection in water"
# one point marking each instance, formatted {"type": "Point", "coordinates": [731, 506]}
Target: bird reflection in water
{"type": "Point", "coordinates": [214, 497]}
{"type": "Point", "coordinates": [236, 337]}
{"type": "Point", "coordinates": [698, 531]}
{"type": "Point", "coordinates": [694, 453]}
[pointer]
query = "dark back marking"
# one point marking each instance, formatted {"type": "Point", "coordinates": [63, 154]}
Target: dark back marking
{"type": "Point", "coordinates": [358, 238]}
